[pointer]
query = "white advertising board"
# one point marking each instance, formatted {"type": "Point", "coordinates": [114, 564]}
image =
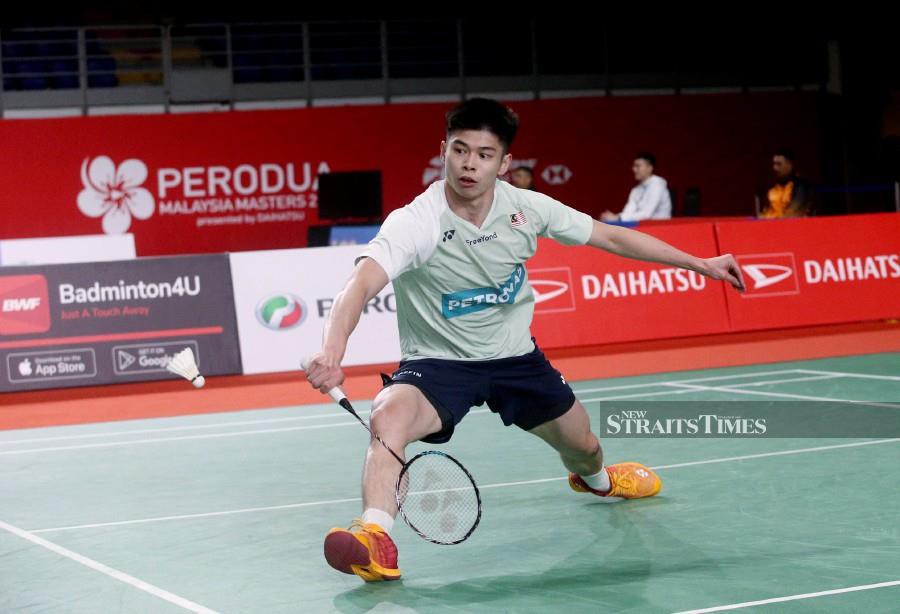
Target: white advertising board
{"type": "Point", "coordinates": [64, 250]}
{"type": "Point", "coordinates": [283, 298]}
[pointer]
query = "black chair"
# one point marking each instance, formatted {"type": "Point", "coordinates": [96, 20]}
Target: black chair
{"type": "Point", "coordinates": [691, 202]}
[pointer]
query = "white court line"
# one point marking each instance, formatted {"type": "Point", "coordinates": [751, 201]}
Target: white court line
{"type": "Point", "coordinates": [687, 381]}
{"type": "Point", "coordinates": [855, 444]}
{"type": "Point", "coordinates": [801, 397]}
{"type": "Point", "coordinates": [107, 570]}
{"type": "Point", "coordinates": [695, 388]}
{"type": "Point", "coordinates": [176, 428]}
{"type": "Point", "coordinates": [712, 461]}
{"type": "Point", "coordinates": [894, 378]}
{"type": "Point", "coordinates": [245, 510]}
{"type": "Point", "coordinates": [638, 395]}
{"type": "Point", "coordinates": [783, 381]}
{"type": "Point", "coordinates": [116, 444]}
{"type": "Point", "coordinates": [750, 604]}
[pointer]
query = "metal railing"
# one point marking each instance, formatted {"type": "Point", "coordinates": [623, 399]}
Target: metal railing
{"type": "Point", "coordinates": [228, 63]}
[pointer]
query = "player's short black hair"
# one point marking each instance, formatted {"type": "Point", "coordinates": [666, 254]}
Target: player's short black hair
{"type": "Point", "coordinates": [646, 155]}
{"type": "Point", "coordinates": [527, 169]}
{"type": "Point", "coordinates": [484, 114]}
{"type": "Point", "coordinates": [785, 153]}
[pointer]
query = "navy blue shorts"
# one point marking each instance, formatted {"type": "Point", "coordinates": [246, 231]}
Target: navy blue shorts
{"type": "Point", "coordinates": [525, 390]}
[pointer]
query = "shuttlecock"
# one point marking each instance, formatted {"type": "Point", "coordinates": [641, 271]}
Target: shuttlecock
{"type": "Point", "coordinates": [183, 364]}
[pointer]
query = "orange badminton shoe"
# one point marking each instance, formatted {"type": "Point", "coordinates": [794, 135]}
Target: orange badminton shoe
{"type": "Point", "coordinates": [365, 550]}
{"type": "Point", "coordinates": [629, 481]}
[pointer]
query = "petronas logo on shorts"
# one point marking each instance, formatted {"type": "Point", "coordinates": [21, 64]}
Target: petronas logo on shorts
{"type": "Point", "coordinates": [281, 312]}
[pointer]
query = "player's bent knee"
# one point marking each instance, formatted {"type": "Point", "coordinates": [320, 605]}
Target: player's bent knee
{"type": "Point", "coordinates": [393, 421]}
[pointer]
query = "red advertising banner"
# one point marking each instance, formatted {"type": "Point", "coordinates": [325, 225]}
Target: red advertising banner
{"type": "Point", "coordinates": [247, 180]}
{"type": "Point", "coordinates": [803, 272]}
{"type": "Point", "coordinates": [585, 296]}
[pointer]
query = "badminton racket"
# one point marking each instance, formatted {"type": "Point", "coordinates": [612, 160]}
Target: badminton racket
{"type": "Point", "coordinates": [436, 495]}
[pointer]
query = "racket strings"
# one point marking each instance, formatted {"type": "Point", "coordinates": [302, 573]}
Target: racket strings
{"type": "Point", "coordinates": [439, 499]}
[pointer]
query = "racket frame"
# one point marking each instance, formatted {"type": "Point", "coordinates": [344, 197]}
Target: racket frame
{"type": "Point", "coordinates": [406, 519]}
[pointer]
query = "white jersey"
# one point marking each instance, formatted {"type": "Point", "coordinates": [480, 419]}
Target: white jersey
{"type": "Point", "coordinates": [649, 200]}
{"type": "Point", "coordinates": [462, 291]}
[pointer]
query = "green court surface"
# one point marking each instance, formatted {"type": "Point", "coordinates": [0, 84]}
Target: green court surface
{"type": "Point", "coordinates": [226, 512]}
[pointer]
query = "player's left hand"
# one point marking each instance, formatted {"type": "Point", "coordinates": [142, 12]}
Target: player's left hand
{"type": "Point", "coordinates": [724, 268]}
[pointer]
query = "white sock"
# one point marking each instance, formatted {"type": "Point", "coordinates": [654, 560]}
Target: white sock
{"type": "Point", "coordinates": [379, 517]}
{"type": "Point", "coordinates": [598, 481]}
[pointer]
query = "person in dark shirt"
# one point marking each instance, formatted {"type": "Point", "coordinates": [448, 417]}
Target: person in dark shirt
{"type": "Point", "coordinates": [790, 196]}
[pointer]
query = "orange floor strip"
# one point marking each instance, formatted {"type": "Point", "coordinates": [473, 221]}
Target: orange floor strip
{"type": "Point", "coordinates": [173, 398]}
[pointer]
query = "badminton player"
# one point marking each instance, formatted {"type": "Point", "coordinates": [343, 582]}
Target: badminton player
{"type": "Point", "coordinates": [456, 258]}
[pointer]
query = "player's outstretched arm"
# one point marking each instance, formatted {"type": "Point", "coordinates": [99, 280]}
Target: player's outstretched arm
{"type": "Point", "coordinates": [639, 246]}
{"type": "Point", "coordinates": [324, 369]}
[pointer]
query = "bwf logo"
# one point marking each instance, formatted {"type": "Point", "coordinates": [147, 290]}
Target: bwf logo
{"type": "Point", "coordinates": [769, 274]}
{"type": "Point", "coordinates": [115, 193]}
{"type": "Point", "coordinates": [21, 304]}
{"type": "Point", "coordinates": [24, 306]}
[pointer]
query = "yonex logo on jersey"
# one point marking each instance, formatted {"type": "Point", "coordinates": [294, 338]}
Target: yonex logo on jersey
{"type": "Point", "coordinates": [448, 234]}
{"type": "Point", "coordinates": [477, 299]}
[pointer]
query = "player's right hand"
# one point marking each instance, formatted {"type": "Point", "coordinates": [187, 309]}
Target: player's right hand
{"type": "Point", "coordinates": [323, 371]}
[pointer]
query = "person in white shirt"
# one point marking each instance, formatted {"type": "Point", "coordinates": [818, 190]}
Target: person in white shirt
{"type": "Point", "coordinates": [649, 200]}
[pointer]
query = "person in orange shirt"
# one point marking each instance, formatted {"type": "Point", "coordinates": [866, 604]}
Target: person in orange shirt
{"type": "Point", "coordinates": [789, 197]}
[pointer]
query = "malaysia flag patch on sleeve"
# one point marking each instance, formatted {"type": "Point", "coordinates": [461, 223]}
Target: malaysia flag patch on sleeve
{"type": "Point", "coordinates": [517, 219]}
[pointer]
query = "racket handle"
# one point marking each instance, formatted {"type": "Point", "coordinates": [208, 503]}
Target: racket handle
{"type": "Point", "coordinates": [335, 393]}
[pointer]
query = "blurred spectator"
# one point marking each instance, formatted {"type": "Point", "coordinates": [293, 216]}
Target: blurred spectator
{"type": "Point", "coordinates": [649, 200]}
{"type": "Point", "coordinates": [790, 195]}
{"type": "Point", "coordinates": [522, 177]}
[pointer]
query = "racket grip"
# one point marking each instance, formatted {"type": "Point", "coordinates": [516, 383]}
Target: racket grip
{"type": "Point", "coordinates": [335, 393]}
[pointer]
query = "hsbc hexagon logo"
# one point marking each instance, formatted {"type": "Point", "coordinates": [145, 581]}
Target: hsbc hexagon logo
{"type": "Point", "coordinates": [769, 274]}
{"type": "Point", "coordinates": [556, 174]}
{"type": "Point", "coordinates": [552, 289]}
